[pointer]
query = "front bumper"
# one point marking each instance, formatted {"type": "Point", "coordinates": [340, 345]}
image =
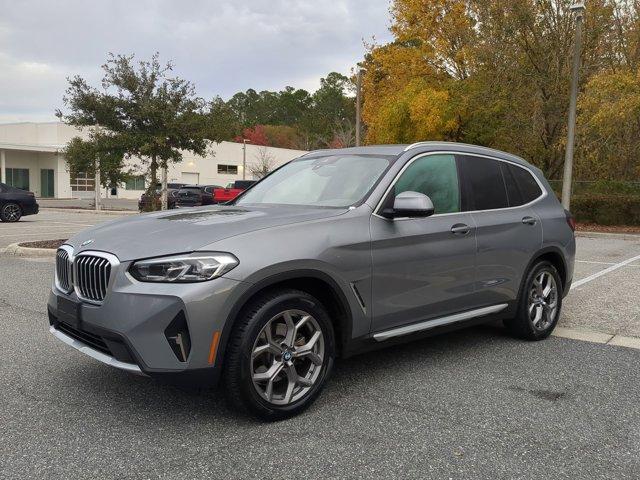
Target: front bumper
{"type": "Point", "coordinates": [92, 352]}
{"type": "Point", "coordinates": [129, 329]}
{"type": "Point", "coordinates": [30, 209]}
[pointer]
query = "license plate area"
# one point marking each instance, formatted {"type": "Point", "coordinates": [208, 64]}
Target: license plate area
{"type": "Point", "coordinates": [68, 312]}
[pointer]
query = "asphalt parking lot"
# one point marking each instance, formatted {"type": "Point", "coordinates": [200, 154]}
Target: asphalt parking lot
{"type": "Point", "coordinates": [471, 404]}
{"type": "Point", "coordinates": [51, 224]}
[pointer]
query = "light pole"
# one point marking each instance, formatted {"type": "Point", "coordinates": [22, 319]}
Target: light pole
{"type": "Point", "coordinates": [97, 182]}
{"type": "Point", "coordinates": [244, 157]}
{"type": "Point", "coordinates": [358, 101]}
{"type": "Point", "coordinates": [578, 9]}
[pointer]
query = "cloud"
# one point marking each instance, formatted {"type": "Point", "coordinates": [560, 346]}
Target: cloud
{"type": "Point", "coordinates": [222, 46]}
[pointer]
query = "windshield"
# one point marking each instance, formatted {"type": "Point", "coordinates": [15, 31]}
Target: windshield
{"type": "Point", "coordinates": [331, 181]}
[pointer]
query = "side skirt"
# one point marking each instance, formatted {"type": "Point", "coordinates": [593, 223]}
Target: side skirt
{"type": "Point", "coordinates": [438, 322]}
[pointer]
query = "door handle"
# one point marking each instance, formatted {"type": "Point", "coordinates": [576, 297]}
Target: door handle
{"type": "Point", "coordinates": [460, 229]}
{"type": "Point", "coordinates": [529, 221]}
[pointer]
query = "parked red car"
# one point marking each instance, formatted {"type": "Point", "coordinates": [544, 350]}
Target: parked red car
{"type": "Point", "coordinates": [222, 195]}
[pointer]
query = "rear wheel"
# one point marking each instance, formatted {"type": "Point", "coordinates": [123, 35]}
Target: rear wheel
{"type": "Point", "coordinates": [539, 304]}
{"type": "Point", "coordinates": [280, 355]}
{"type": "Point", "coordinates": [10, 212]}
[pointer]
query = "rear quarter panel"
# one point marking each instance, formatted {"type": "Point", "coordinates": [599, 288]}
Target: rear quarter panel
{"type": "Point", "coordinates": [556, 233]}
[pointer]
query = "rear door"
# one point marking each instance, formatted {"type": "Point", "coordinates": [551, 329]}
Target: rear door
{"type": "Point", "coordinates": [508, 231]}
{"type": "Point", "coordinates": [423, 267]}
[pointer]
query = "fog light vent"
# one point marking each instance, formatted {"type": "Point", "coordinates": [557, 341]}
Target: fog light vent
{"type": "Point", "coordinates": [177, 334]}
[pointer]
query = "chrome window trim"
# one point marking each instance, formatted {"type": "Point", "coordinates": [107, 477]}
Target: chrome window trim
{"type": "Point", "coordinates": [454, 153]}
{"type": "Point", "coordinates": [112, 259]}
{"type": "Point", "coordinates": [56, 281]}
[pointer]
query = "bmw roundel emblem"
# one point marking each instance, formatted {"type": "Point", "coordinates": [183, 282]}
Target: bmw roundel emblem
{"type": "Point", "coordinates": [286, 356]}
{"type": "Point", "coordinates": [86, 242]}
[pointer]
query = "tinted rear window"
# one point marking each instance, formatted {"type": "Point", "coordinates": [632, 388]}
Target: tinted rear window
{"type": "Point", "coordinates": [190, 190]}
{"type": "Point", "coordinates": [529, 188]}
{"type": "Point", "coordinates": [485, 183]}
{"type": "Point", "coordinates": [513, 192]}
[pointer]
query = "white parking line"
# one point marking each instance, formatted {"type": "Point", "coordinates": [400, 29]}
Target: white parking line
{"type": "Point", "coordinates": [596, 263]}
{"type": "Point", "coordinates": [612, 268]}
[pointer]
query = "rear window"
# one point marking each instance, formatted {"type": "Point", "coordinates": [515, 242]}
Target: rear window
{"type": "Point", "coordinates": [529, 188]}
{"type": "Point", "coordinates": [485, 183]}
{"type": "Point", "coordinates": [190, 189]}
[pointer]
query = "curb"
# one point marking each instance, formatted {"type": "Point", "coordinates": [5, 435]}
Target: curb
{"type": "Point", "coordinates": [623, 236]}
{"type": "Point", "coordinates": [95, 212]}
{"type": "Point", "coordinates": [592, 336]}
{"type": "Point", "coordinates": [16, 250]}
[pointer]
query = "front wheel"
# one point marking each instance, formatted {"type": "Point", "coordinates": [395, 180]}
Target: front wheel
{"type": "Point", "coordinates": [10, 212]}
{"type": "Point", "coordinates": [539, 304]}
{"type": "Point", "coordinates": [280, 355]}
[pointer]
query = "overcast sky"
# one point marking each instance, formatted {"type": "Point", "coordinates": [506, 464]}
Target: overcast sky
{"type": "Point", "coordinates": [223, 46]}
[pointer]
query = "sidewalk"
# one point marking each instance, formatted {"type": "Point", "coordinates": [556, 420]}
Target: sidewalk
{"type": "Point", "coordinates": [87, 204]}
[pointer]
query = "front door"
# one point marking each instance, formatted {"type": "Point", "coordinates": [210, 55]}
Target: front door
{"type": "Point", "coordinates": [423, 267]}
{"type": "Point", "coordinates": [47, 183]}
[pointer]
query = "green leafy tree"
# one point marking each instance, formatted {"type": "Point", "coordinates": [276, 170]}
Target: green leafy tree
{"type": "Point", "coordinates": [141, 111]}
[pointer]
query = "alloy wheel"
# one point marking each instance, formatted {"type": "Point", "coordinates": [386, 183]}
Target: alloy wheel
{"type": "Point", "coordinates": [12, 212]}
{"type": "Point", "coordinates": [287, 357]}
{"type": "Point", "coordinates": [543, 300]}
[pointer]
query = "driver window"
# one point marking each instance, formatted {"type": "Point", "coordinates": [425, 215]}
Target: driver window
{"type": "Point", "coordinates": [435, 176]}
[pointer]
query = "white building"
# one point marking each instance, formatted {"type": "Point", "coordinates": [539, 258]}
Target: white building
{"type": "Point", "coordinates": [30, 158]}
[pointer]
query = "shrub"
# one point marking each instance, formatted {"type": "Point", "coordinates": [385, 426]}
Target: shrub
{"type": "Point", "coordinates": [605, 209]}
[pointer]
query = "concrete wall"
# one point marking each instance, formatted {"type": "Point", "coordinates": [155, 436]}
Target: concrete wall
{"type": "Point", "coordinates": [46, 133]}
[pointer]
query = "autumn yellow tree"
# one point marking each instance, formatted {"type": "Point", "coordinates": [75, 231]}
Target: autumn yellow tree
{"type": "Point", "coordinates": [490, 72]}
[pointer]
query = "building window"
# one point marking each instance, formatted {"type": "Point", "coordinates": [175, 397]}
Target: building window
{"type": "Point", "coordinates": [18, 178]}
{"type": "Point", "coordinates": [135, 183]}
{"type": "Point", "coordinates": [81, 182]}
{"type": "Point", "coordinates": [227, 169]}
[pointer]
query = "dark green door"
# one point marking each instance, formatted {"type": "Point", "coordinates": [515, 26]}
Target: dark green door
{"type": "Point", "coordinates": [46, 183]}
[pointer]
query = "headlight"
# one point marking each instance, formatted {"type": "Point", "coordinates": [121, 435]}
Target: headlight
{"type": "Point", "coordinates": [197, 267]}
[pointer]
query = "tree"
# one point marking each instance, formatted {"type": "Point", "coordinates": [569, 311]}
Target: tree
{"type": "Point", "coordinates": [294, 118]}
{"type": "Point", "coordinates": [140, 111]}
{"type": "Point", "coordinates": [491, 72]}
{"type": "Point", "coordinates": [256, 135]}
{"type": "Point", "coordinates": [84, 156]}
{"type": "Point", "coordinates": [263, 165]}
{"type": "Point", "coordinates": [609, 127]}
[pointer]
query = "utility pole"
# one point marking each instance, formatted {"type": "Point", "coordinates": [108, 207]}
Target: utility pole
{"type": "Point", "coordinates": [358, 101]}
{"type": "Point", "coordinates": [97, 186]}
{"type": "Point", "coordinates": [244, 158]}
{"type": "Point", "coordinates": [578, 9]}
{"type": "Point", "coordinates": [163, 194]}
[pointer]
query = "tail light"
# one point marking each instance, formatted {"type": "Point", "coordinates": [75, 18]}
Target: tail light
{"type": "Point", "coordinates": [570, 220]}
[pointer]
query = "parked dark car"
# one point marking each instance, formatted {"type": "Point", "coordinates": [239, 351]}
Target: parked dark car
{"type": "Point", "coordinates": [16, 203]}
{"type": "Point", "coordinates": [195, 195]}
{"type": "Point", "coordinates": [222, 195]}
{"type": "Point", "coordinates": [172, 194]}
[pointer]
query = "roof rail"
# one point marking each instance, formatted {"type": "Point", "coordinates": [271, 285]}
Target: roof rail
{"type": "Point", "coordinates": [414, 145]}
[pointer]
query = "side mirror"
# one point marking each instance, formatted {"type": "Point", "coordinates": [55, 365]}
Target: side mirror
{"type": "Point", "coordinates": [410, 204]}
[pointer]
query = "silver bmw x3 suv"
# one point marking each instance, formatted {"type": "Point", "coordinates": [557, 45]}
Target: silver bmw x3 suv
{"type": "Point", "coordinates": [336, 252]}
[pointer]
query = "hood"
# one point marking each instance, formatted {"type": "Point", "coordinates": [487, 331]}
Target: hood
{"type": "Point", "coordinates": [180, 231]}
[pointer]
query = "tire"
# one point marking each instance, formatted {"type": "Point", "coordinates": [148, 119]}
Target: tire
{"type": "Point", "coordinates": [10, 212]}
{"type": "Point", "coordinates": [537, 314]}
{"type": "Point", "coordinates": [261, 384]}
